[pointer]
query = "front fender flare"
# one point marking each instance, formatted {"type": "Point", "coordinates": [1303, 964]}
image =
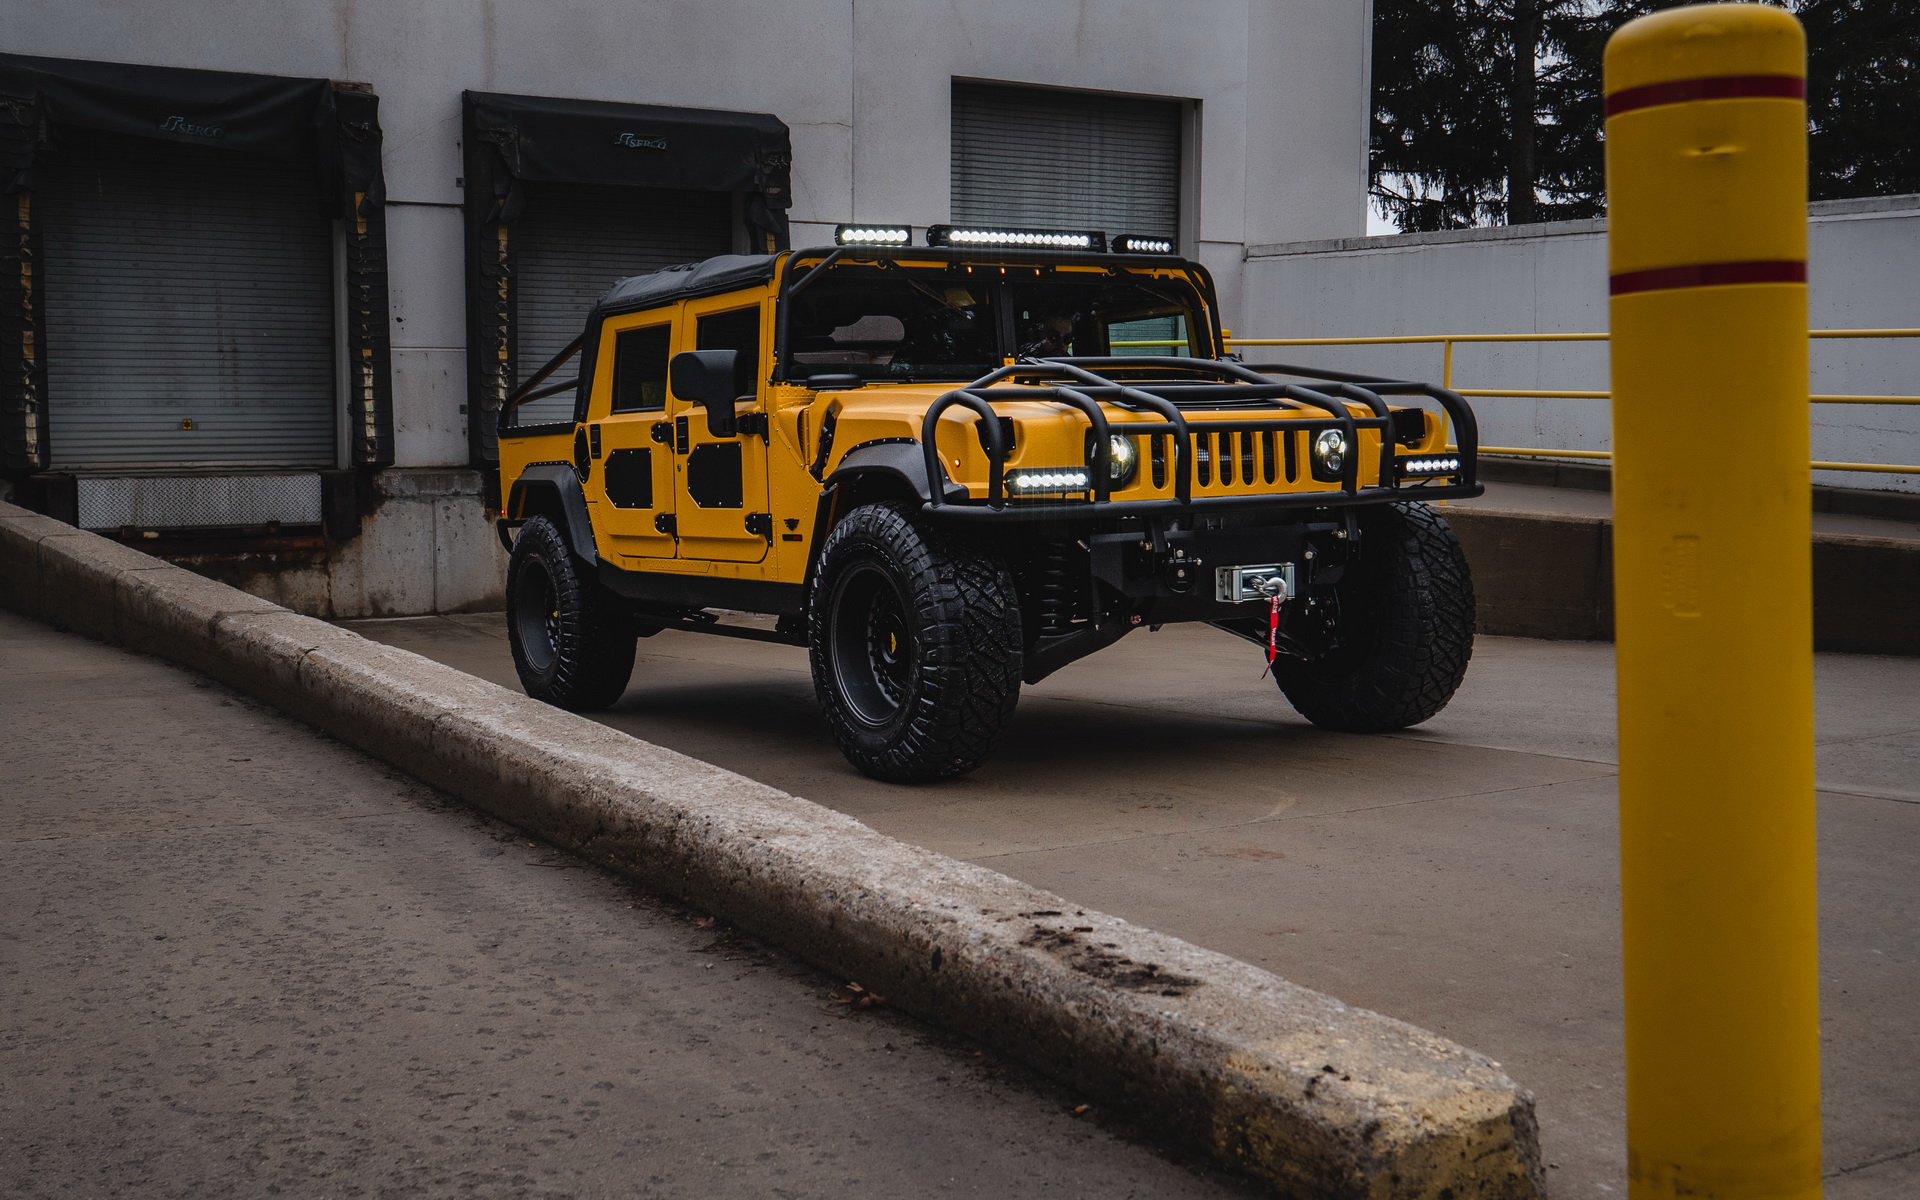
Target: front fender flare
{"type": "Point", "coordinates": [896, 458]}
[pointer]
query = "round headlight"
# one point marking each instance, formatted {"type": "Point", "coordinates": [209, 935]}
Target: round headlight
{"type": "Point", "coordinates": [1126, 459]}
{"type": "Point", "coordinates": [1330, 451]}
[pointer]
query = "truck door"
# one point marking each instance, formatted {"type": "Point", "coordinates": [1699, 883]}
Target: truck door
{"type": "Point", "coordinates": [721, 500]}
{"type": "Point", "coordinates": [631, 488]}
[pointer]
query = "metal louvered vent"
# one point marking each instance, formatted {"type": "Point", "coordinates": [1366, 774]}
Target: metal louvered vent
{"type": "Point", "coordinates": [189, 305]}
{"type": "Point", "coordinates": [575, 239]}
{"type": "Point", "coordinates": [1072, 160]}
{"type": "Point", "coordinates": [198, 501]}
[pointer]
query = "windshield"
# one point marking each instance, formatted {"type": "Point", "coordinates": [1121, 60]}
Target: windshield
{"type": "Point", "coordinates": [1087, 315]}
{"type": "Point", "coordinates": [891, 325]}
{"type": "Point", "coordinates": [944, 326]}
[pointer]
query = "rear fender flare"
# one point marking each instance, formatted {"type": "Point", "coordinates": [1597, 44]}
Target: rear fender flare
{"type": "Point", "coordinates": [556, 480]}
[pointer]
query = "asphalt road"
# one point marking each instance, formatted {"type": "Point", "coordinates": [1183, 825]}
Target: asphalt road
{"type": "Point", "coordinates": [1462, 876]}
{"type": "Point", "coordinates": [239, 959]}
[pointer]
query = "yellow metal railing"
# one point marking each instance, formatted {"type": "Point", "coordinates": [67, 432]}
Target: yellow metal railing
{"type": "Point", "coordinates": [1447, 341]}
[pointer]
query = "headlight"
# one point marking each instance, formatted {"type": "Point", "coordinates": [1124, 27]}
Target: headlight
{"type": "Point", "coordinates": [1329, 454]}
{"type": "Point", "coordinates": [1126, 459]}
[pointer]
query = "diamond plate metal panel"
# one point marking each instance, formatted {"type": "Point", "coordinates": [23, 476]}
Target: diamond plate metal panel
{"type": "Point", "coordinates": [198, 501]}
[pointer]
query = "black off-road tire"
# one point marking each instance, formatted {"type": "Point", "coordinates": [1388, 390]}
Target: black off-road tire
{"type": "Point", "coordinates": [1406, 627]}
{"type": "Point", "coordinates": [914, 638]}
{"type": "Point", "coordinates": [572, 639]}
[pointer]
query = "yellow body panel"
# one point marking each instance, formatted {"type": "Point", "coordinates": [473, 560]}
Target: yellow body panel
{"type": "Point", "coordinates": [1713, 618]}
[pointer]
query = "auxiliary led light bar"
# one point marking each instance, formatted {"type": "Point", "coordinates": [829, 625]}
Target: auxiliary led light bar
{"type": "Point", "coordinates": [1091, 241]}
{"type": "Point", "coordinates": [1134, 243]}
{"type": "Point", "coordinates": [872, 235]}
{"type": "Point", "coordinates": [1429, 466]}
{"type": "Point", "coordinates": [1066, 479]}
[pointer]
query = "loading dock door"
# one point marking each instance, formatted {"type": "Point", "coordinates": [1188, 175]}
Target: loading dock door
{"type": "Point", "coordinates": [189, 306]}
{"type": "Point", "coordinates": [563, 197]}
{"type": "Point", "coordinates": [1075, 160]}
{"type": "Point", "coordinates": [575, 239]}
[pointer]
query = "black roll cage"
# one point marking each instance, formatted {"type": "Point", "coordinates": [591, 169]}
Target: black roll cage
{"type": "Point", "coordinates": [1084, 388]}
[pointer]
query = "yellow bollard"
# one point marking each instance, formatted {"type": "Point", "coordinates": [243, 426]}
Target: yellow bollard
{"type": "Point", "coordinates": [1707, 236]}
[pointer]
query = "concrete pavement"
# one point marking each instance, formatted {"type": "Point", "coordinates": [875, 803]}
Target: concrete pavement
{"type": "Point", "coordinates": [238, 959]}
{"type": "Point", "coordinates": [1461, 876]}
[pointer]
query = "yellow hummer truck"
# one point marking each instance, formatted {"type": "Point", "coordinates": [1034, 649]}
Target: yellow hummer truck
{"type": "Point", "coordinates": [948, 469]}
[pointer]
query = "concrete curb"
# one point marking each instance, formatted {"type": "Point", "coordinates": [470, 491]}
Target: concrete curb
{"type": "Point", "coordinates": [1285, 1084]}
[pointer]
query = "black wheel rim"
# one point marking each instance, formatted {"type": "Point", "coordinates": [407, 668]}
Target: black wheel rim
{"type": "Point", "coordinates": [536, 616]}
{"type": "Point", "coordinates": [869, 645]}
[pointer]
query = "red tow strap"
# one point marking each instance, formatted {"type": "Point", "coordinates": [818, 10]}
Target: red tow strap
{"type": "Point", "coordinates": [1273, 632]}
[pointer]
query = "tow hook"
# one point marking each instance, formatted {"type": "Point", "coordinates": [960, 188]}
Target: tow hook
{"type": "Point", "coordinates": [1183, 571]}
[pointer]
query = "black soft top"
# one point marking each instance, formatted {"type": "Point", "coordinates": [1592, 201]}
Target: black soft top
{"type": "Point", "coordinates": [725, 272]}
{"type": "Point", "coordinates": [685, 281]}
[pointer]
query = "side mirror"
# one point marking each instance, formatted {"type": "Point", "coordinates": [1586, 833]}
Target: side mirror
{"type": "Point", "coordinates": [706, 377]}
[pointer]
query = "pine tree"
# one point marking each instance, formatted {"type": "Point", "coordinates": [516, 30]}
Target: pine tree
{"type": "Point", "coordinates": [1863, 96]}
{"type": "Point", "coordinates": [1470, 129]}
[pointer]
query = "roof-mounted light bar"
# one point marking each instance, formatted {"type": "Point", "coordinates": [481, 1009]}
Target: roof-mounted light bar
{"type": "Point", "coordinates": [1136, 243]}
{"type": "Point", "coordinates": [1002, 236]}
{"type": "Point", "coordinates": [873, 235]}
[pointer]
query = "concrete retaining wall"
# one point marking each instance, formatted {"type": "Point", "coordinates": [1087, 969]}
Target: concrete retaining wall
{"type": "Point", "coordinates": [1287, 1085]}
{"type": "Point", "coordinates": [1547, 575]}
{"type": "Point", "coordinates": [426, 544]}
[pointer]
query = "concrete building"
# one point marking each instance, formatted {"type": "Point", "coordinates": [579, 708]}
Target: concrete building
{"type": "Point", "coordinates": [270, 266]}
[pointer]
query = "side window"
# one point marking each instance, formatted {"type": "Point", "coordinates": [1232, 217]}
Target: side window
{"type": "Point", "coordinates": [736, 330]}
{"type": "Point", "coordinates": [640, 369]}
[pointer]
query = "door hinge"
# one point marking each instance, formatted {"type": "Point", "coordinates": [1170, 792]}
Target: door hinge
{"type": "Point", "coordinates": [662, 432]}
{"type": "Point", "coordinates": [665, 523]}
{"type": "Point", "coordinates": [760, 523]}
{"type": "Point", "coordinates": [753, 423]}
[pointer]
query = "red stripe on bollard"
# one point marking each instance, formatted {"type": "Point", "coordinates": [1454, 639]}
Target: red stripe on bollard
{"type": "Point", "coordinates": [1712, 87]}
{"type": "Point", "coordinates": [1706, 275]}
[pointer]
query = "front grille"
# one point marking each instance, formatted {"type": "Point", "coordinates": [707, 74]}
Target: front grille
{"type": "Point", "coordinates": [1229, 460]}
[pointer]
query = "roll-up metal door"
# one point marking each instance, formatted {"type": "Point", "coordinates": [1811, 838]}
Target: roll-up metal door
{"type": "Point", "coordinates": [574, 239]}
{"type": "Point", "coordinates": [189, 306]}
{"type": "Point", "coordinates": [1075, 160]}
